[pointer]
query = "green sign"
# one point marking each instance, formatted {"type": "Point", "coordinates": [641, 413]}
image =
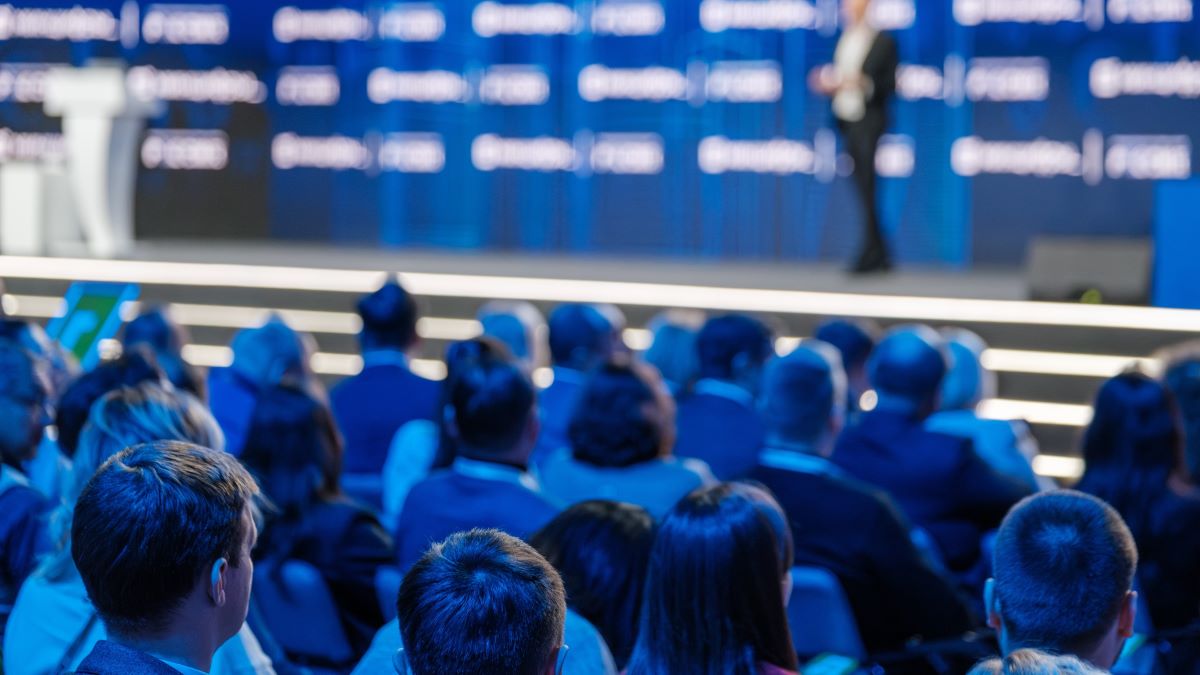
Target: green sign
{"type": "Point", "coordinates": [93, 314]}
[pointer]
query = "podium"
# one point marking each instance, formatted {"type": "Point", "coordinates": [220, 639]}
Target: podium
{"type": "Point", "coordinates": [102, 123]}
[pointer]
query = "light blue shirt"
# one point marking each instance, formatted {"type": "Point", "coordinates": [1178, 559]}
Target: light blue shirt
{"type": "Point", "coordinates": [655, 485]}
{"type": "Point", "coordinates": [723, 389]}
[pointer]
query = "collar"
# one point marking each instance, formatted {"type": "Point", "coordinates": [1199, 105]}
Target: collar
{"type": "Point", "coordinates": [726, 390]}
{"type": "Point", "coordinates": [185, 670]}
{"type": "Point", "coordinates": [799, 462]}
{"type": "Point", "coordinates": [492, 471]}
{"type": "Point", "coordinates": [385, 357]}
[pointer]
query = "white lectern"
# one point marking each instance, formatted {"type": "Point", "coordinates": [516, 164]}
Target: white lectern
{"type": "Point", "coordinates": [102, 124]}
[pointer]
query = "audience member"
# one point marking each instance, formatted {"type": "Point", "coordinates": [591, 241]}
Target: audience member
{"type": "Point", "coordinates": [1034, 662]}
{"type": "Point", "coordinates": [622, 434]}
{"type": "Point", "coordinates": [673, 348]}
{"type": "Point", "coordinates": [482, 602]}
{"type": "Point", "coordinates": [372, 405]}
{"type": "Point", "coordinates": [1181, 373]}
{"type": "Point", "coordinates": [1063, 566]}
{"type": "Point", "coordinates": [520, 327]}
{"type": "Point", "coordinates": [1008, 446]}
{"type": "Point", "coordinates": [23, 416]}
{"type": "Point", "coordinates": [53, 624]}
{"type": "Point", "coordinates": [492, 417]}
{"type": "Point", "coordinates": [937, 479]}
{"type": "Point", "coordinates": [718, 422]}
{"type": "Point", "coordinates": [133, 367]}
{"type": "Point", "coordinates": [581, 338]}
{"type": "Point", "coordinates": [295, 452]}
{"type": "Point", "coordinates": [162, 536]}
{"type": "Point", "coordinates": [1133, 451]}
{"type": "Point", "coordinates": [601, 549]}
{"type": "Point", "coordinates": [155, 329]}
{"type": "Point", "coordinates": [842, 525]}
{"type": "Point", "coordinates": [717, 588]}
{"type": "Point", "coordinates": [854, 339]}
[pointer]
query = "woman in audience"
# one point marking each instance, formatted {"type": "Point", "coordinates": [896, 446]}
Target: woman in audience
{"type": "Point", "coordinates": [155, 329]}
{"type": "Point", "coordinates": [294, 450]}
{"type": "Point", "coordinates": [1181, 372]}
{"type": "Point", "coordinates": [53, 626]}
{"type": "Point", "coordinates": [601, 550]}
{"type": "Point", "coordinates": [717, 586]}
{"type": "Point", "coordinates": [622, 435]}
{"type": "Point", "coordinates": [1133, 450]}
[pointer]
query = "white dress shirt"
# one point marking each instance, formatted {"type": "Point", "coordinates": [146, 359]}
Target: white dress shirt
{"type": "Point", "coordinates": [850, 103]}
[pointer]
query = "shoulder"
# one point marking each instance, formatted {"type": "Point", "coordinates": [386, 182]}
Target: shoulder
{"type": "Point", "coordinates": [21, 501]}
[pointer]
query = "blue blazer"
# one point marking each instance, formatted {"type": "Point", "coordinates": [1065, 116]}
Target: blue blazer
{"type": "Point", "coordinates": [110, 658]}
{"type": "Point", "coordinates": [723, 433]}
{"type": "Point", "coordinates": [936, 479]}
{"type": "Point", "coordinates": [371, 406]}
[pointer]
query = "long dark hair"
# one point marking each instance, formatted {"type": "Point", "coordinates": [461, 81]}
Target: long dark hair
{"type": "Point", "coordinates": [1132, 446]}
{"type": "Point", "coordinates": [714, 600]}
{"type": "Point", "coordinates": [601, 549]}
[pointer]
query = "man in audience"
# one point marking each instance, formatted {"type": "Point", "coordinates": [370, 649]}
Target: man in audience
{"type": "Point", "coordinates": [1063, 564]}
{"type": "Point", "coordinates": [937, 479]}
{"type": "Point", "coordinates": [492, 415]}
{"type": "Point", "coordinates": [482, 602]}
{"type": "Point", "coordinates": [386, 394]}
{"type": "Point", "coordinates": [838, 523]}
{"type": "Point", "coordinates": [581, 338]}
{"type": "Point", "coordinates": [162, 536]}
{"type": "Point", "coordinates": [718, 423]}
{"type": "Point", "coordinates": [854, 340]}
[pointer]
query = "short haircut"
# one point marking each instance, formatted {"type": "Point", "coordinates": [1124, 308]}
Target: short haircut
{"type": "Point", "coordinates": [1063, 564]}
{"type": "Point", "coordinates": [149, 525]}
{"type": "Point", "coordinates": [517, 324]}
{"type": "Point", "coordinates": [724, 338]}
{"type": "Point", "coordinates": [268, 353]}
{"type": "Point", "coordinates": [135, 366]}
{"type": "Point", "coordinates": [803, 391]}
{"type": "Point", "coordinates": [909, 364]}
{"type": "Point", "coordinates": [389, 317]}
{"type": "Point", "coordinates": [967, 382]}
{"type": "Point", "coordinates": [609, 426]}
{"type": "Point", "coordinates": [577, 332]}
{"type": "Point", "coordinates": [853, 338]}
{"type": "Point", "coordinates": [492, 399]}
{"type": "Point", "coordinates": [481, 602]}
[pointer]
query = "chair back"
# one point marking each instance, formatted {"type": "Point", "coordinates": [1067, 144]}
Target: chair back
{"type": "Point", "coordinates": [820, 616]}
{"type": "Point", "coordinates": [299, 610]}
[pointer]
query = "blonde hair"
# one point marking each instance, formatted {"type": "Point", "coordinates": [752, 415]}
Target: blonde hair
{"type": "Point", "coordinates": [1034, 662]}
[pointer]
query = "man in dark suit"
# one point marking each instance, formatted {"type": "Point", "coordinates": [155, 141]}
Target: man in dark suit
{"type": "Point", "coordinates": [493, 419]}
{"type": "Point", "coordinates": [840, 524]}
{"type": "Point", "coordinates": [162, 538]}
{"type": "Point", "coordinates": [861, 82]}
{"type": "Point", "coordinates": [937, 479]}
{"type": "Point", "coordinates": [718, 422]}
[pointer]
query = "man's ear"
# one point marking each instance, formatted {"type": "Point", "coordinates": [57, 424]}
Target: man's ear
{"type": "Point", "coordinates": [1128, 615]}
{"type": "Point", "coordinates": [991, 604]}
{"type": "Point", "coordinates": [216, 585]}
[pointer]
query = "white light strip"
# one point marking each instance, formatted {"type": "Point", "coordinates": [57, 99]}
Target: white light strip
{"type": "Point", "coordinates": [1058, 466]}
{"type": "Point", "coordinates": [1059, 363]}
{"type": "Point", "coordinates": [323, 363]}
{"type": "Point", "coordinates": [641, 294]}
{"type": "Point", "coordinates": [1037, 412]}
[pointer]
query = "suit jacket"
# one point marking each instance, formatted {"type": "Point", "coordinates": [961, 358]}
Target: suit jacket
{"type": "Point", "coordinates": [110, 658]}
{"type": "Point", "coordinates": [880, 67]}
{"type": "Point", "coordinates": [936, 479]}
{"type": "Point", "coordinates": [857, 534]}
{"type": "Point", "coordinates": [371, 406]}
{"type": "Point", "coordinates": [724, 433]}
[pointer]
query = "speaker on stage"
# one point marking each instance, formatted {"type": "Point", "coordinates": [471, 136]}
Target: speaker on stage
{"type": "Point", "coordinates": [1108, 270]}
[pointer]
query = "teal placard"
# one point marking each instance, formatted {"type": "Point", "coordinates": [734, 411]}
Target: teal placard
{"type": "Point", "coordinates": [92, 314]}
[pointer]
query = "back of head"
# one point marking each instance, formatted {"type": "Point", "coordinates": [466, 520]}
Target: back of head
{"type": "Point", "coordinates": [481, 602]}
{"type": "Point", "coordinates": [854, 339]}
{"type": "Point", "coordinates": [389, 318]}
{"type": "Point", "coordinates": [22, 395]}
{"type": "Point", "coordinates": [1063, 565]}
{"type": "Point", "coordinates": [714, 600]}
{"type": "Point", "coordinates": [491, 401]}
{"type": "Point", "coordinates": [1034, 662]}
{"type": "Point", "coordinates": [907, 367]}
{"type": "Point", "coordinates": [1181, 373]}
{"type": "Point", "coordinates": [135, 366]}
{"type": "Point", "coordinates": [519, 325]}
{"type": "Point", "coordinates": [580, 336]}
{"type": "Point", "coordinates": [601, 549]}
{"type": "Point", "coordinates": [293, 448]}
{"type": "Point", "coordinates": [966, 382]}
{"type": "Point", "coordinates": [155, 329]}
{"type": "Point", "coordinates": [730, 343]}
{"type": "Point", "coordinates": [623, 416]}
{"type": "Point", "coordinates": [269, 354]}
{"type": "Point", "coordinates": [673, 349]}
{"type": "Point", "coordinates": [803, 392]}
{"type": "Point", "coordinates": [150, 525]}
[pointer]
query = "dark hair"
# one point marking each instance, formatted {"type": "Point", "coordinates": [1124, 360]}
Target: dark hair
{"type": "Point", "coordinates": [578, 333]}
{"type": "Point", "coordinates": [724, 338]}
{"type": "Point", "coordinates": [714, 600]}
{"type": "Point", "coordinates": [909, 364]}
{"type": "Point", "coordinates": [803, 391]}
{"type": "Point", "coordinates": [389, 317]}
{"type": "Point", "coordinates": [492, 399]}
{"type": "Point", "coordinates": [294, 449]}
{"type": "Point", "coordinates": [1063, 564]}
{"type": "Point", "coordinates": [20, 381]}
{"type": "Point", "coordinates": [149, 525]}
{"type": "Point", "coordinates": [853, 338]}
{"type": "Point", "coordinates": [459, 356]}
{"type": "Point", "coordinates": [1183, 378]}
{"type": "Point", "coordinates": [481, 602]}
{"type": "Point", "coordinates": [609, 426]}
{"type": "Point", "coordinates": [1131, 447]}
{"type": "Point", "coordinates": [135, 366]}
{"type": "Point", "coordinates": [601, 549]}
{"type": "Point", "coordinates": [155, 329]}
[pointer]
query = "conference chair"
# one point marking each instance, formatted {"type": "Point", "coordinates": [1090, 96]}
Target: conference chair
{"type": "Point", "coordinates": [820, 616]}
{"type": "Point", "coordinates": [299, 610]}
{"type": "Point", "coordinates": [387, 588]}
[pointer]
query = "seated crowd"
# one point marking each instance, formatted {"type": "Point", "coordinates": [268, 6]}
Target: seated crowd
{"type": "Point", "coordinates": [706, 506]}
